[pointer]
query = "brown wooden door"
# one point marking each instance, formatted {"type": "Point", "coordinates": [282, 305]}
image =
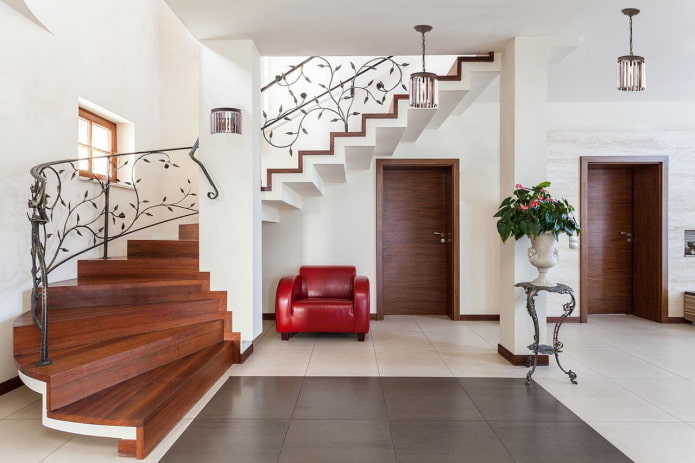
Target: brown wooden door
{"type": "Point", "coordinates": [610, 263]}
{"type": "Point", "coordinates": [416, 265]}
{"type": "Point", "coordinates": [647, 242]}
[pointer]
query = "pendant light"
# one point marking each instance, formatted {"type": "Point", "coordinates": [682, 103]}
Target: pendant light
{"type": "Point", "coordinates": [632, 75]}
{"type": "Point", "coordinates": [423, 85]}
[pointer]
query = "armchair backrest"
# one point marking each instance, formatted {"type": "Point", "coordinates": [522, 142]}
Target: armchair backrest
{"type": "Point", "coordinates": [334, 281]}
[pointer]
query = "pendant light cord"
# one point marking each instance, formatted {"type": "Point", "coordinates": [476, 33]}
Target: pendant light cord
{"type": "Point", "coordinates": [423, 52]}
{"type": "Point", "coordinates": [630, 36]}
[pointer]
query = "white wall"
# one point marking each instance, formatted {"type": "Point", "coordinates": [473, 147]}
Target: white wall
{"type": "Point", "coordinates": [231, 248]}
{"type": "Point", "coordinates": [340, 227]}
{"type": "Point", "coordinates": [644, 129]}
{"type": "Point", "coordinates": [44, 73]}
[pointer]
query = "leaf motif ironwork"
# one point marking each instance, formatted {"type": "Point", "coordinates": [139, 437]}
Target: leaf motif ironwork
{"type": "Point", "coordinates": [340, 97]}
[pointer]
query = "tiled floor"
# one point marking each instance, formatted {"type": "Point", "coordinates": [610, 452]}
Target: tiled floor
{"type": "Point", "coordinates": [636, 382]}
{"type": "Point", "coordinates": [387, 419]}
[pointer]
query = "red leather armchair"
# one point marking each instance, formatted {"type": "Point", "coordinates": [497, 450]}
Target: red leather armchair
{"type": "Point", "coordinates": [323, 299]}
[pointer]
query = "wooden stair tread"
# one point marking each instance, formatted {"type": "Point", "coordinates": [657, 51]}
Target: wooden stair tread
{"type": "Point", "coordinates": [108, 282]}
{"type": "Point", "coordinates": [163, 248]}
{"type": "Point", "coordinates": [65, 360]}
{"type": "Point", "coordinates": [132, 402]}
{"type": "Point", "coordinates": [210, 304]}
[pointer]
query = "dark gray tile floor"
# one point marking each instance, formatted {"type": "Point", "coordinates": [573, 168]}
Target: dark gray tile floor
{"type": "Point", "coordinates": [382, 419]}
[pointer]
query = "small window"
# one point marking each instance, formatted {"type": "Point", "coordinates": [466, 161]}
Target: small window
{"type": "Point", "coordinates": [96, 138]}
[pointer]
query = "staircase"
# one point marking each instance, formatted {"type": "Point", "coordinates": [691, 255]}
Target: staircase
{"type": "Point", "coordinates": [380, 135]}
{"type": "Point", "coordinates": [135, 343]}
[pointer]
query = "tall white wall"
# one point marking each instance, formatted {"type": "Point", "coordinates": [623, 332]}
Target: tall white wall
{"type": "Point", "coordinates": [630, 129]}
{"type": "Point", "coordinates": [105, 52]}
{"type": "Point", "coordinates": [340, 227]}
{"type": "Point", "coordinates": [231, 224]}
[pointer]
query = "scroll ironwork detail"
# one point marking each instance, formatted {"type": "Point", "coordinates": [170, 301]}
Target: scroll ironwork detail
{"type": "Point", "coordinates": [317, 89]}
{"type": "Point", "coordinates": [73, 212]}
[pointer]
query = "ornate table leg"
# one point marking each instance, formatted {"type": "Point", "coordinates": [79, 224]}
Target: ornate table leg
{"type": "Point", "coordinates": [567, 308]}
{"type": "Point", "coordinates": [531, 307]}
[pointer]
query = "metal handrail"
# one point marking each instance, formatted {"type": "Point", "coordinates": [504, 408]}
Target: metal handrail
{"type": "Point", "coordinates": [283, 76]}
{"type": "Point", "coordinates": [338, 96]}
{"type": "Point", "coordinates": [49, 249]}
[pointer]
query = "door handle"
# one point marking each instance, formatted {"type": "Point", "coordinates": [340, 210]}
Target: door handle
{"type": "Point", "coordinates": [442, 236]}
{"type": "Point", "coordinates": [627, 235]}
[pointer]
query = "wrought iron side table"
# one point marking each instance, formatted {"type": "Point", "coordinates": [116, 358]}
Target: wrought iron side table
{"type": "Point", "coordinates": [531, 293]}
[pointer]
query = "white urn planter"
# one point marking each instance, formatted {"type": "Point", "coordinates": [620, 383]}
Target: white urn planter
{"type": "Point", "coordinates": [543, 255]}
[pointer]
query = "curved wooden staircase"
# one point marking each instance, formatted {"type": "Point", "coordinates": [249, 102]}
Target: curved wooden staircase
{"type": "Point", "coordinates": [135, 342]}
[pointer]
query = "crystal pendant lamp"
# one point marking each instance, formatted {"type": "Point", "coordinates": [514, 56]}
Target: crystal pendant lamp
{"type": "Point", "coordinates": [424, 91]}
{"type": "Point", "coordinates": [632, 75]}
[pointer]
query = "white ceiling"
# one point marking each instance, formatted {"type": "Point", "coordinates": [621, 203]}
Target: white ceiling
{"type": "Point", "coordinates": [664, 33]}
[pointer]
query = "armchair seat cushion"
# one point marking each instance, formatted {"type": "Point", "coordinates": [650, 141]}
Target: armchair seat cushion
{"type": "Point", "coordinates": [323, 314]}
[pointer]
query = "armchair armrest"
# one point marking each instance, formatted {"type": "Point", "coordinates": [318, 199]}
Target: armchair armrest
{"type": "Point", "coordinates": [289, 290]}
{"type": "Point", "coordinates": [361, 303]}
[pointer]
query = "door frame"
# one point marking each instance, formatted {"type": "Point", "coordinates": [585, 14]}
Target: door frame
{"type": "Point", "coordinates": [661, 271]}
{"type": "Point", "coordinates": [452, 165]}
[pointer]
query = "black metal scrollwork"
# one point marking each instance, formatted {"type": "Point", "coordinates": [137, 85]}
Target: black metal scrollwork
{"type": "Point", "coordinates": [70, 216]}
{"type": "Point", "coordinates": [338, 95]}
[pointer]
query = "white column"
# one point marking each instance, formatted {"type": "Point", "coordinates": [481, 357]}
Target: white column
{"type": "Point", "coordinates": [230, 226]}
{"type": "Point", "coordinates": [523, 132]}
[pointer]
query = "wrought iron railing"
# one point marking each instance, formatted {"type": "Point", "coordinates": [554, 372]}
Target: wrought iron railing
{"type": "Point", "coordinates": [338, 95]}
{"type": "Point", "coordinates": [66, 224]}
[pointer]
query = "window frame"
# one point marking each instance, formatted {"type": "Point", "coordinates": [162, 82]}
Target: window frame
{"type": "Point", "coordinates": [93, 118]}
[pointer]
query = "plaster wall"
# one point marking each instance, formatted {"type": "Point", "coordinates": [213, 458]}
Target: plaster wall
{"type": "Point", "coordinates": [340, 227]}
{"type": "Point", "coordinates": [231, 224]}
{"type": "Point", "coordinates": [44, 74]}
{"type": "Point", "coordinates": [629, 129]}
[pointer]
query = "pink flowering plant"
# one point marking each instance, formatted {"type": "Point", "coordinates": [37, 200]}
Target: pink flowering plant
{"type": "Point", "coordinates": [532, 211]}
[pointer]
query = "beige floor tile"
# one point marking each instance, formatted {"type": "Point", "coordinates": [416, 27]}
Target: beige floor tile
{"type": "Point", "coordinates": [617, 364]}
{"type": "Point", "coordinates": [674, 396]}
{"type": "Point", "coordinates": [439, 323]}
{"type": "Point", "coordinates": [409, 341]}
{"type": "Point", "coordinates": [16, 400]}
{"type": "Point", "coordinates": [28, 441]}
{"type": "Point", "coordinates": [343, 362]}
{"type": "Point", "coordinates": [32, 411]}
{"type": "Point", "coordinates": [676, 361]}
{"type": "Point", "coordinates": [457, 341]}
{"type": "Point", "coordinates": [480, 364]}
{"type": "Point", "coordinates": [343, 341]}
{"type": "Point", "coordinates": [274, 362]}
{"type": "Point", "coordinates": [420, 362]}
{"type": "Point", "coordinates": [596, 398]}
{"type": "Point", "coordinates": [647, 442]}
{"type": "Point", "coordinates": [394, 323]}
{"type": "Point", "coordinates": [298, 341]}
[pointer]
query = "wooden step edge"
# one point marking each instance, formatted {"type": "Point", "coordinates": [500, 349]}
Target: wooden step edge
{"type": "Point", "coordinates": [62, 334]}
{"type": "Point", "coordinates": [454, 74]}
{"type": "Point", "coordinates": [189, 231]}
{"type": "Point", "coordinates": [95, 284]}
{"type": "Point", "coordinates": [391, 114]}
{"type": "Point", "coordinates": [78, 383]}
{"type": "Point", "coordinates": [76, 313]}
{"type": "Point", "coordinates": [131, 402]}
{"type": "Point", "coordinates": [175, 249]}
{"type": "Point", "coordinates": [77, 357]}
{"type": "Point", "coordinates": [158, 424]}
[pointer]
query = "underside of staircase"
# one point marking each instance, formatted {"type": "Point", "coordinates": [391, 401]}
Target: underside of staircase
{"type": "Point", "coordinates": [134, 342]}
{"type": "Point", "coordinates": [380, 135]}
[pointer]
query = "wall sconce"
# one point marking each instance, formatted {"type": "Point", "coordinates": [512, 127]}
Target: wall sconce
{"type": "Point", "coordinates": [632, 75]}
{"type": "Point", "coordinates": [424, 91]}
{"type": "Point", "coordinates": [225, 120]}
